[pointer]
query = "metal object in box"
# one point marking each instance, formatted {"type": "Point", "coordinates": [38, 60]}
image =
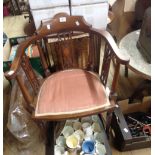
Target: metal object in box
{"type": "Point", "coordinates": [123, 139]}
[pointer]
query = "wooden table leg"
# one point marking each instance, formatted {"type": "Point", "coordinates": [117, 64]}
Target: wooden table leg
{"type": "Point", "coordinates": [108, 122]}
{"type": "Point", "coordinates": [126, 71]}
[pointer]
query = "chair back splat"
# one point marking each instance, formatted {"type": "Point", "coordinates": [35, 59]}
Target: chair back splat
{"type": "Point", "coordinates": [71, 44]}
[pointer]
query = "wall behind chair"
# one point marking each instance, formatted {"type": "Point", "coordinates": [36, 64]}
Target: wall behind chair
{"type": "Point", "coordinates": [46, 9]}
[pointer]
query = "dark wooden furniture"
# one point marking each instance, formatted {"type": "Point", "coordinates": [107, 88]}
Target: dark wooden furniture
{"type": "Point", "coordinates": [75, 89]}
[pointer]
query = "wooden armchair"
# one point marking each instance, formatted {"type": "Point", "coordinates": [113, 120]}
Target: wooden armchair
{"type": "Point", "coordinates": [75, 89]}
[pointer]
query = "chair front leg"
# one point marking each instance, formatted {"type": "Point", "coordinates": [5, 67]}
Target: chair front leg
{"type": "Point", "coordinates": [108, 122]}
{"type": "Point", "coordinates": [113, 99]}
{"type": "Point", "coordinates": [50, 141]}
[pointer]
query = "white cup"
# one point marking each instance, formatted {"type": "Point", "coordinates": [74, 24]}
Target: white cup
{"type": "Point", "coordinates": [89, 137]}
{"type": "Point", "coordinates": [100, 149]}
{"type": "Point", "coordinates": [59, 150]}
{"type": "Point", "coordinates": [88, 131]}
{"type": "Point", "coordinates": [98, 137]}
{"type": "Point", "coordinates": [86, 119]}
{"type": "Point", "coordinates": [95, 118]}
{"type": "Point", "coordinates": [96, 127]}
{"type": "Point", "coordinates": [61, 141]}
{"type": "Point", "coordinates": [80, 135]}
{"type": "Point", "coordinates": [67, 131]}
{"type": "Point", "coordinates": [85, 125]}
{"type": "Point", "coordinates": [72, 143]}
{"type": "Point", "coordinates": [77, 125]}
{"type": "Point", "coordinates": [69, 123]}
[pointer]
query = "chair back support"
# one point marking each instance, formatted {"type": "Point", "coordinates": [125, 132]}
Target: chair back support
{"type": "Point", "coordinates": [70, 43]}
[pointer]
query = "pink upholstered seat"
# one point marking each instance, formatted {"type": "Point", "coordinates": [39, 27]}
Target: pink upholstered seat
{"type": "Point", "coordinates": [70, 93]}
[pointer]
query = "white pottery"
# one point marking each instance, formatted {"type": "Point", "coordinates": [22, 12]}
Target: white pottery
{"type": "Point", "coordinates": [80, 135]}
{"type": "Point", "coordinates": [72, 142]}
{"type": "Point", "coordinates": [69, 123]}
{"type": "Point", "coordinates": [59, 150]}
{"type": "Point", "coordinates": [77, 125]}
{"type": "Point", "coordinates": [86, 119]}
{"type": "Point", "coordinates": [88, 131]}
{"type": "Point", "coordinates": [67, 131]}
{"type": "Point", "coordinates": [98, 136]}
{"type": "Point", "coordinates": [89, 137]}
{"type": "Point", "coordinates": [100, 149]}
{"type": "Point", "coordinates": [96, 127]}
{"type": "Point", "coordinates": [85, 125]}
{"type": "Point", "coordinates": [61, 141]}
{"type": "Point", "coordinates": [95, 118]}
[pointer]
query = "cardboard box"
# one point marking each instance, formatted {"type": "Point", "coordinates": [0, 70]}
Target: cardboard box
{"type": "Point", "coordinates": [95, 14]}
{"type": "Point", "coordinates": [40, 4]}
{"type": "Point", "coordinates": [39, 15]}
{"type": "Point", "coordinates": [130, 108]}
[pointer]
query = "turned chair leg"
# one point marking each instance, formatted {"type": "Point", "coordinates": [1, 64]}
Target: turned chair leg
{"type": "Point", "coordinates": [108, 122]}
{"type": "Point", "coordinates": [126, 71]}
{"type": "Point", "coordinates": [50, 138]}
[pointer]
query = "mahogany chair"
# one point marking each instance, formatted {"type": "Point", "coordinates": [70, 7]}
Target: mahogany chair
{"type": "Point", "coordinates": [75, 89]}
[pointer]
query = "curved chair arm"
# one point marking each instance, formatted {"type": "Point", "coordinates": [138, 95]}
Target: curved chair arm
{"type": "Point", "coordinates": [122, 59]}
{"type": "Point", "coordinates": [11, 74]}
